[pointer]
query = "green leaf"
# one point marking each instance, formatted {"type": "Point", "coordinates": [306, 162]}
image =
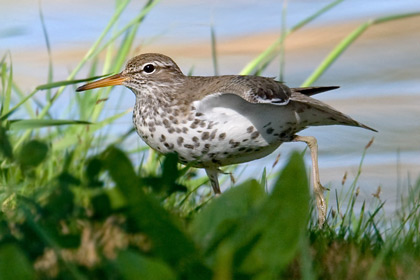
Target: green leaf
{"type": "Point", "coordinates": [32, 153]}
{"type": "Point", "coordinates": [165, 184]}
{"type": "Point", "coordinates": [280, 223]}
{"type": "Point", "coordinates": [221, 215]}
{"type": "Point", "coordinates": [32, 124]}
{"type": "Point", "coordinates": [135, 266]}
{"type": "Point", "coordinates": [146, 214]}
{"type": "Point", "coordinates": [5, 146]}
{"type": "Point", "coordinates": [101, 205]}
{"type": "Point", "coordinates": [14, 264]}
{"type": "Point", "coordinates": [8, 93]}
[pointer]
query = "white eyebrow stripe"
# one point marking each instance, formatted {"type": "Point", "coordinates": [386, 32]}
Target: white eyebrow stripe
{"type": "Point", "coordinates": [157, 63]}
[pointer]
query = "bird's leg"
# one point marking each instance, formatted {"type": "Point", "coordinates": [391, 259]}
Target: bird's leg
{"type": "Point", "coordinates": [212, 174]}
{"type": "Point", "coordinates": [318, 188]}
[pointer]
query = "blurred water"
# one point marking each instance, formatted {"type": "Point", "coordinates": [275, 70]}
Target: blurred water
{"type": "Point", "coordinates": [379, 78]}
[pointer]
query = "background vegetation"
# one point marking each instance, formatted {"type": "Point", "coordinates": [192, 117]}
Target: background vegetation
{"type": "Point", "coordinates": [74, 206]}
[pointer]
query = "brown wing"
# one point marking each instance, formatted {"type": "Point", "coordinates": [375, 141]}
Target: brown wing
{"type": "Point", "coordinates": [257, 89]}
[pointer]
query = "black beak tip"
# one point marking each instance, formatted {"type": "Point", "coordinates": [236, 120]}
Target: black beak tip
{"type": "Point", "coordinates": [81, 88]}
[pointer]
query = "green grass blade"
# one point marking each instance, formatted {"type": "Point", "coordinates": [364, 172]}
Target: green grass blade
{"type": "Point", "coordinates": [87, 56]}
{"type": "Point", "coordinates": [67, 82]}
{"type": "Point", "coordinates": [24, 97]}
{"type": "Point", "coordinates": [12, 110]}
{"type": "Point", "coordinates": [125, 48]}
{"type": "Point", "coordinates": [47, 42]}
{"type": "Point", "coordinates": [315, 15]}
{"type": "Point", "coordinates": [283, 34]}
{"type": "Point", "coordinates": [138, 19]}
{"type": "Point", "coordinates": [269, 53]}
{"type": "Point", "coordinates": [32, 124]}
{"type": "Point", "coordinates": [73, 138]}
{"type": "Point", "coordinates": [346, 42]}
{"type": "Point", "coordinates": [8, 92]}
{"type": "Point", "coordinates": [214, 51]}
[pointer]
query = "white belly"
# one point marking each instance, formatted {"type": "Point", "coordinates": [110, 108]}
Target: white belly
{"type": "Point", "coordinates": [223, 130]}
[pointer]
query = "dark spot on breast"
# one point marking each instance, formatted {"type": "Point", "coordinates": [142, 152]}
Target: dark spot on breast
{"type": "Point", "coordinates": [152, 129]}
{"type": "Point", "coordinates": [178, 130]}
{"type": "Point", "coordinates": [213, 134]}
{"type": "Point", "coordinates": [255, 135]}
{"type": "Point", "coordinates": [171, 130]}
{"type": "Point", "coordinates": [241, 149]}
{"type": "Point", "coordinates": [162, 138]}
{"type": "Point", "coordinates": [207, 146]}
{"type": "Point", "coordinates": [166, 123]}
{"type": "Point", "coordinates": [249, 150]}
{"type": "Point", "coordinates": [269, 130]}
{"type": "Point", "coordinates": [205, 135]}
{"type": "Point", "coordinates": [216, 161]}
{"type": "Point", "coordinates": [189, 146]}
{"type": "Point", "coordinates": [185, 129]}
{"type": "Point", "coordinates": [179, 141]}
{"type": "Point", "coordinates": [169, 146]}
{"type": "Point", "coordinates": [195, 139]}
{"type": "Point", "coordinates": [250, 129]}
{"type": "Point", "coordinates": [246, 139]}
{"type": "Point", "coordinates": [198, 114]}
{"type": "Point", "coordinates": [234, 143]}
{"type": "Point", "coordinates": [222, 136]}
{"type": "Point", "coordinates": [202, 124]}
{"type": "Point", "coordinates": [193, 125]}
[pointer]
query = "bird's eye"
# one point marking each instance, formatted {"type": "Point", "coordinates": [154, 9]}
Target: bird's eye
{"type": "Point", "coordinates": [149, 68]}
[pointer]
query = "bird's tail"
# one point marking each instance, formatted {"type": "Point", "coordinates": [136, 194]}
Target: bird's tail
{"type": "Point", "coordinates": [318, 113]}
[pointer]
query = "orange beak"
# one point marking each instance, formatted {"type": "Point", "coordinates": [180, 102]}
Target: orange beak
{"type": "Point", "coordinates": [113, 80]}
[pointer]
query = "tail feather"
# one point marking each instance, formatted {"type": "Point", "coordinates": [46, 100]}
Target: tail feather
{"type": "Point", "coordinates": [308, 91]}
{"type": "Point", "coordinates": [328, 115]}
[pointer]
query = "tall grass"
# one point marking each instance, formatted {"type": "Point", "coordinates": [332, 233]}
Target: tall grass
{"type": "Point", "coordinates": [74, 207]}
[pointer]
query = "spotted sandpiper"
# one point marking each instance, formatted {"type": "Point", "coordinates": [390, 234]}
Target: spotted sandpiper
{"type": "Point", "coordinates": [221, 120]}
